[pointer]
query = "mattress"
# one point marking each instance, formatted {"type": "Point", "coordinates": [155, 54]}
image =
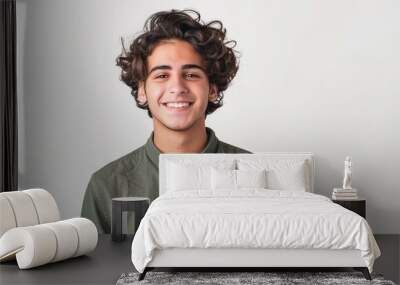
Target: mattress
{"type": "Point", "coordinates": [250, 219]}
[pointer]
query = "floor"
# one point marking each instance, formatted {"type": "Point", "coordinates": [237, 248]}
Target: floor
{"type": "Point", "coordinates": [110, 260]}
{"type": "Point", "coordinates": [388, 263]}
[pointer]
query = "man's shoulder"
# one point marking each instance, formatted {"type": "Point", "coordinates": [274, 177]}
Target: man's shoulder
{"type": "Point", "coordinates": [228, 148]}
{"type": "Point", "coordinates": [121, 165]}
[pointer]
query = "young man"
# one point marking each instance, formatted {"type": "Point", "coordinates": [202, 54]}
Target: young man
{"type": "Point", "coordinates": [177, 69]}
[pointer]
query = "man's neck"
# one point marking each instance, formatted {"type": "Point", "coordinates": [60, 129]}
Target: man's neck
{"type": "Point", "coordinates": [192, 140]}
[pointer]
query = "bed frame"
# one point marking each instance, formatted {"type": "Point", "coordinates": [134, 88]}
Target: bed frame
{"type": "Point", "coordinates": [248, 259]}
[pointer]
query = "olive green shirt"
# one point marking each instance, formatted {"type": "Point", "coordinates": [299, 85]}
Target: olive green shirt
{"type": "Point", "coordinates": [135, 174]}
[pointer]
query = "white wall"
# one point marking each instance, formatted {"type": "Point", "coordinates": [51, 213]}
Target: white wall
{"type": "Point", "coordinates": [314, 76]}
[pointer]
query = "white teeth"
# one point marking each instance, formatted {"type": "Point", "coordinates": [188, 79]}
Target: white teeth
{"type": "Point", "coordinates": [178, 105]}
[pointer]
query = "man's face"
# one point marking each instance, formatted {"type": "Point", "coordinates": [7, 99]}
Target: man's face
{"type": "Point", "coordinates": [176, 88]}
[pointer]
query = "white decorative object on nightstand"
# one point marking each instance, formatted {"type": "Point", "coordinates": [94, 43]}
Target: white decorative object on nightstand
{"type": "Point", "coordinates": [344, 194]}
{"type": "Point", "coordinates": [347, 173]}
{"type": "Point", "coordinates": [347, 192]}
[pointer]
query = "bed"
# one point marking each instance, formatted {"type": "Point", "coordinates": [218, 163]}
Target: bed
{"type": "Point", "coordinates": [245, 211]}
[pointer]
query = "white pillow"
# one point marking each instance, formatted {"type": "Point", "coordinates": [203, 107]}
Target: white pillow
{"type": "Point", "coordinates": [251, 178]}
{"type": "Point", "coordinates": [282, 174]}
{"type": "Point", "coordinates": [184, 175]}
{"type": "Point", "coordinates": [236, 179]}
{"type": "Point", "coordinates": [223, 179]}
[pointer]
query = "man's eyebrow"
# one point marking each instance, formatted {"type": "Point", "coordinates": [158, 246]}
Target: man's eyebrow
{"type": "Point", "coordinates": [160, 67]}
{"type": "Point", "coordinates": [190, 66]}
{"type": "Point", "coordinates": [185, 66]}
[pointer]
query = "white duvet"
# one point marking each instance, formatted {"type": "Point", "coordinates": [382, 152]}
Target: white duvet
{"type": "Point", "coordinates": [251, 218]}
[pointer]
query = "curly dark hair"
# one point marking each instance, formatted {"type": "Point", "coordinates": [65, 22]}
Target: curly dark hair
{"type": "Point", "coordinates": [221, 63]}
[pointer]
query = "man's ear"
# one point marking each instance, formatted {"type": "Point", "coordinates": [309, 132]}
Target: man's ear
{"type": "Point", "coordinates": [213, 93]}
{"type": "Point", "coordinates": [142, 98]}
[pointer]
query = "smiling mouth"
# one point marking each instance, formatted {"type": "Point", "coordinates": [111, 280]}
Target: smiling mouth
{"type": "Point", "coordinates": [177, 106]}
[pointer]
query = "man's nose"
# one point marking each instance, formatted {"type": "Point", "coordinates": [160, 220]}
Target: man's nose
{"type": "Point", "coordinates": [177, 85]}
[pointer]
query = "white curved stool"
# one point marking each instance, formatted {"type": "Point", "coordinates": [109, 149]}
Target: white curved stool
{"type": "Point", "coordinates": [31, 232]}
{"type": "Point", "coordinates": [27, 208]}
{"type": "Point", "coordinates": [40, 244]}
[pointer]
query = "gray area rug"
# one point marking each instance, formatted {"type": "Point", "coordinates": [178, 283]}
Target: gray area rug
{"type": "Point", "coordinates": [273, 278]}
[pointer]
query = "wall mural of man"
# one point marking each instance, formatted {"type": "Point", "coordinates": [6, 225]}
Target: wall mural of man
{"type": "Point", "coordinates": [178, 69]}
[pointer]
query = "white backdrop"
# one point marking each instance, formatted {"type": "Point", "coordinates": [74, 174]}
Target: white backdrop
{"type": "Point", "coordinates": [319, 76]}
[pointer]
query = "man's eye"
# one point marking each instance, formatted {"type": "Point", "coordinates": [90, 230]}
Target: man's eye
{"type": "Point", "coordinates": [162, 76]}
{"type": "Point", "coordinates": [192, 75]}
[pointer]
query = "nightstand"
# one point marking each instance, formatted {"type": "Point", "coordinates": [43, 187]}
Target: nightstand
{"type": "Point", "coordinates": [358, 206]}
{"type": "Point", "coordinates": [123, 204]}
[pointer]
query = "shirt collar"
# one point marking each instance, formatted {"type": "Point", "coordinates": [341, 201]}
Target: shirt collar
{"type": "Point", "coordinates": [153, 152]}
